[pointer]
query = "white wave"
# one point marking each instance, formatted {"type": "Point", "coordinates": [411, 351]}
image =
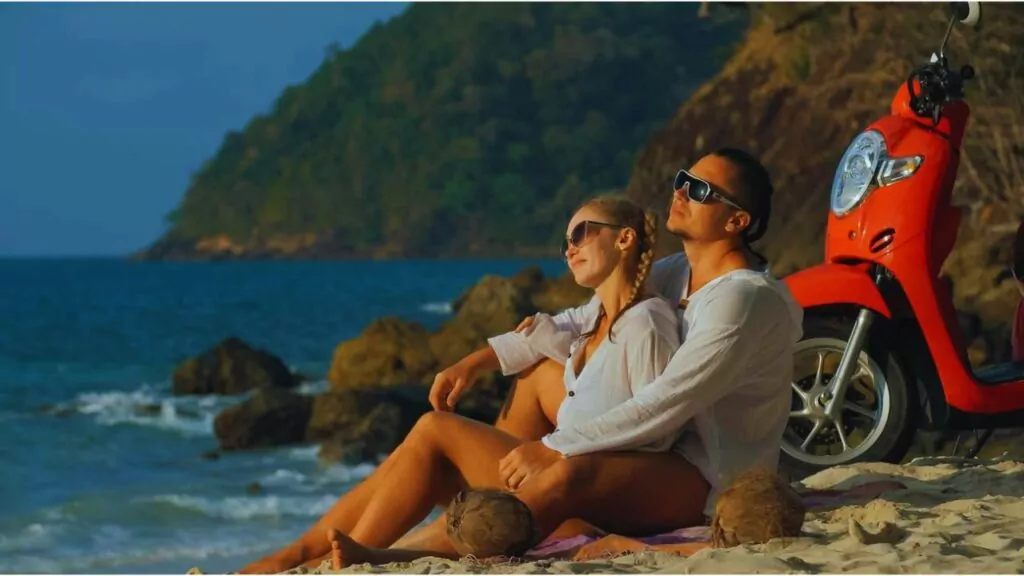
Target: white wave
{"type": "Point", "coordinates": [283, 477]}
{"type": "Point", "coordinates": [303, 452]}
{"type": "Point", "coordinates": [346, 474]}
{"type": "Point", "coordinates": [442, 308]}
{"type": "Point", "coordinates": [151, 406]}
{"type": "Point", "coordinates": [313, 388]}
{"type": "Point", "coordinates": [107, 547]}
{"type": "Point", "coordinates": [33, 536]}
{"type": "Point", "coordinates": [249, 507]}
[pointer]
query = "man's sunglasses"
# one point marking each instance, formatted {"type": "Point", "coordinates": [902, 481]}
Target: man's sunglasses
{"type": "Point", "coordinates": [582, 231]}
{"type": "Point", "coordinates": [699, 190]}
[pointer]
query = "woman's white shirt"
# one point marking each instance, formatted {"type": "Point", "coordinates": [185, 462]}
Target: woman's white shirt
{"type": "Point", "coordinates": [643, 340]}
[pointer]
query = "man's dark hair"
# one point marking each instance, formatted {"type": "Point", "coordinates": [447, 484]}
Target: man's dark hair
{"type": "Point", "coordinates": [757, 192]}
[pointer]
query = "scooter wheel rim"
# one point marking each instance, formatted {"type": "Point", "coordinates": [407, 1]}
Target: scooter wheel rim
{"type": "Point", "coordinates": [809, 353]}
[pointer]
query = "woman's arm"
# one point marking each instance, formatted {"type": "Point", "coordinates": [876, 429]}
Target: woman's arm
{"type": "Point", "coordinates": [707, 366]}
{"type": "Point", "coordinates": [547, 337]}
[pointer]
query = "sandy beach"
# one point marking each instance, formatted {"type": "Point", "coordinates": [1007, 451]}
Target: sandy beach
{"type": "Point", "coordinates": [955, 516]}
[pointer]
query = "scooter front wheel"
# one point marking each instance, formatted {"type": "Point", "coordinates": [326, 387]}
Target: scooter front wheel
{"type": "Point", "coordinates": [873, 421]}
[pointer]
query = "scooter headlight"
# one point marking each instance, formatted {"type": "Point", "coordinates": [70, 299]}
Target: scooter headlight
{"type": "Point", "coordinates": [855, 176]}
{"type": "Point", "coordinates": [865, 166]}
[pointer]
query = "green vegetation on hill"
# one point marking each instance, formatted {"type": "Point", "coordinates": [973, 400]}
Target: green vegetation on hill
{"type": "Point", "coordinates": [456, 129]}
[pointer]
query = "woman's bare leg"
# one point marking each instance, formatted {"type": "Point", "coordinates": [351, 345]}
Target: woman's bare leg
{"type": "Point", "coordinates": [343, 515]}
{"type": "Point", "coordinates": [528, 414]}
{"type": "Point", "coordinates": [443, 453]}
{"type": "Point", "coordinates": [532, 404]}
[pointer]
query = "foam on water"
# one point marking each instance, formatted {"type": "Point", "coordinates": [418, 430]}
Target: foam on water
{"type": "Point", "coordinates": [440, 308]}
{"type": "Point", "coordinates": [249, 507]}
{"type": "Point", "coordinates": [150, 405]}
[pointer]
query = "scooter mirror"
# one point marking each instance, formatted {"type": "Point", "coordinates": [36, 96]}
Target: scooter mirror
{"type": "Point", "coordinates": [968, 13]}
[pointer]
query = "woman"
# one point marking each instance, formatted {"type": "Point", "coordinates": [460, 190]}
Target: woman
{"type": "Point", "coordinates": [631, 337]}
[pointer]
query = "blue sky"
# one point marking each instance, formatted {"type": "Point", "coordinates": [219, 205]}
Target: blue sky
{"type": "Point", "coordinates": [106, 110]}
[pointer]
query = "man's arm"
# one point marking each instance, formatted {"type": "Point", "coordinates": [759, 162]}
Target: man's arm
{"type": "Point", "coordinates": [707, 366]}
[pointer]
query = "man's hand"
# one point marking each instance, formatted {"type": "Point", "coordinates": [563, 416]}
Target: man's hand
{"type": "Point", "coordinates": [524, 462]}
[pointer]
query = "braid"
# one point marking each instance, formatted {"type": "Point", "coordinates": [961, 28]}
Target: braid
{"type": "Point", "coordinates": [621, 210]}
{"type": "Point", "coordinates": [645, 249]}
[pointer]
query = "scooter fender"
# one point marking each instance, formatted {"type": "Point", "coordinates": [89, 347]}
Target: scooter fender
{"type": "Point", "coordinates": [830, 284]}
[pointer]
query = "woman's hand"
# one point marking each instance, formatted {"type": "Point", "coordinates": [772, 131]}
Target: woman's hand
{"type": "Point", "coordinates": [450, 383]}
{"type": "Point", "coordinates": [525, 461]}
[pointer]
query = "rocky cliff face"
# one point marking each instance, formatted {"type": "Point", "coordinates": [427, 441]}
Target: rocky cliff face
{"type": "Point", "coordinates": [807, 78]}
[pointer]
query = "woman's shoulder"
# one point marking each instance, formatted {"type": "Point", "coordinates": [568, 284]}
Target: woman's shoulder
{"type": "Point", "coordinates": [651, 314]}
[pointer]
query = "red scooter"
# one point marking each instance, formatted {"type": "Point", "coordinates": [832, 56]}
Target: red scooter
{"type": "Point", "coordinates": [882, 349]}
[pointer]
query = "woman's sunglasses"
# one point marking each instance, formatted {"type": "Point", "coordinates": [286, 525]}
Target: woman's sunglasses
{"type": "Point", "coordinates": [583, 231]}
{"type": "Point", "coordinates": [700, 191]}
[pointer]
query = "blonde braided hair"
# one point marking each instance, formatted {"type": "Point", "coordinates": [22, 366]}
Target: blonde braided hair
{"type": "Point", "coordinates": [621, 210]}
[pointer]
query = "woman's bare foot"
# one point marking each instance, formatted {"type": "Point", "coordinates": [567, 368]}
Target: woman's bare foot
{"type": "Point", "coordinates": [346, 551]}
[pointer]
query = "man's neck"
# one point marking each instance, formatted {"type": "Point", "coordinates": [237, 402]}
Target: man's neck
{"type": "Point", "coordinates": [711, 260]}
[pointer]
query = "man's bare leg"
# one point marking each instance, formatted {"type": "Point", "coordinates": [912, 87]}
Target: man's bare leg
{"type": "Point", "coordinates": [528, 414]}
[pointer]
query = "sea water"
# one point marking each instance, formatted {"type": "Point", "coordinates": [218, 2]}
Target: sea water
{"type": "Point", "coordinates": [101, 468]}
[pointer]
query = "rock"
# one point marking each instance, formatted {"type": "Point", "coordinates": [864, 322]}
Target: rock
{"type": "Point", "coordinates": [368, 438]}
{"type": "Point", "coordinates": [559, 294]}
{"type": "Point", "coordinates": [272, 417]}
{"type": "Point", "coordinates": [389, 351]}
{"type": "Point", "coordinates": [231, 367]}
{"type": "Point", "coordinates": [799, 120]}
{"type": "Point", "coordinates": [359, 424]}
{"type": "Point", "coordinates": [344, 410]}
{"type": "Point", "coordinates": [493, 306]}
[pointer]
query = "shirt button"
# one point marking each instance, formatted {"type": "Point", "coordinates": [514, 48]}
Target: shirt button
{"type": "Point", "coordinates": [571, 393]}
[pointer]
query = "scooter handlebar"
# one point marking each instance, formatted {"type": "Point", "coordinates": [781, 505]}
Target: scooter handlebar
{"type": "Point", "coordinates": [968, 13]}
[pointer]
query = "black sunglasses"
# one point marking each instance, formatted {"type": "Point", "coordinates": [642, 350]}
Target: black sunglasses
{"type": "Point", "coordinates": [580, 232]}
{"type": "Point", "coordinates": [701, 191]}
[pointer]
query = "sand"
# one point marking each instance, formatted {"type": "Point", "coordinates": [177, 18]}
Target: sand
{"type": "Point", "coordinates": [956, 516]}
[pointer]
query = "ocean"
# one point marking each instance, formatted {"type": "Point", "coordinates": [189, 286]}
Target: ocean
{"type": "Point", "coordinates": [102, 469]}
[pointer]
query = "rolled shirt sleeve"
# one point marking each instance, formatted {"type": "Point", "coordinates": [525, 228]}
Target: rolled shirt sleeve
{"type": "Point", "coordinates": [548, 337]}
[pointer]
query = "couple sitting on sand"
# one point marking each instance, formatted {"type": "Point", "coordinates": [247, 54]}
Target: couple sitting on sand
{"type": "Point", "coordinates": [675, 380]}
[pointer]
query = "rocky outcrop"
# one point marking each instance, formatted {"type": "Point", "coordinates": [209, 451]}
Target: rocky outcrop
{"type": "Point", "coordinates": [391, 351]}
{"type": "Point", "coordinates": [358, 424]}
{"type": "Point", "coordinates": [809, 77]}
{"type": "Point", "coordinates": [379, 380]}
{"type": "Point", "coordinates": [232, 367]}
{"type": "Point", "coordinates": [271, 417]}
